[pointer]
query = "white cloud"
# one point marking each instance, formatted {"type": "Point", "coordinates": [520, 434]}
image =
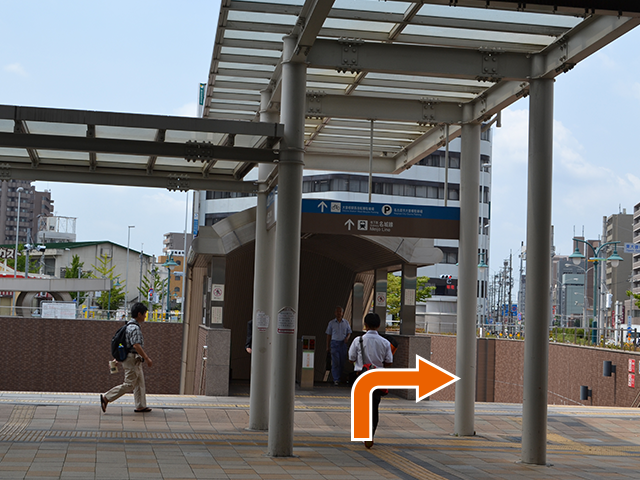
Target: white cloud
{"type": "Point", "coordinates": [188, 110]}
{"type": "Point", "coordinates": [16, 69]}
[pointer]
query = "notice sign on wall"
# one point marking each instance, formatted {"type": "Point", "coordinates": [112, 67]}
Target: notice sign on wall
{"type": "Point", "coordinates": [262, 321]}
{"type": "Point", "coordinates": [287, 321]}
{"type": "Point", "coordinates": [58, 310]}
{"type": "Point", "coordinates": [307, 359]}
{"type": "Point", "coordinates": [409, 297]}
{"type": "Point", "coordinates": [632, 365]}
{"type": "Point", "coordinates": [381, 299]}
{"type": "Point", "coordinates": [632, 380]}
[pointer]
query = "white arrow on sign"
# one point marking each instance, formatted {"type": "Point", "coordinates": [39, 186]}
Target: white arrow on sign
{"type": "Point", "coordinates": [322, 206]}
{"type": "Point", "coordinates": [349, 224]}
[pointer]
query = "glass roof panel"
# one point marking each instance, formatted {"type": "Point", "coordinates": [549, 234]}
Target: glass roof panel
{"type": "Point", "coordinates": [180, 136]}
{"type": "Point", "coordinates": [46, 128]}
{"type": "Point", "coordinates": [125, 133]}
{"type": "Point", "coordinates": [13, 152]}
{"type": "Point", "coordinates": [62, 155]}
{"type": "Point", "coordinates": [6, 125]}
{"type": "Point", "coordinates": [121, 159]}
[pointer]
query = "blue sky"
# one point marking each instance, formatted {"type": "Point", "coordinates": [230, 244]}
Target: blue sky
{"type": "Point", "coordinates": [136, 56]}
{"type": "Point", "coordinates": [150, 56]}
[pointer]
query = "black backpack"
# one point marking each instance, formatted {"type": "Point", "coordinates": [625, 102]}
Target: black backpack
{"type": "Point", "coordinates": [119, 349]}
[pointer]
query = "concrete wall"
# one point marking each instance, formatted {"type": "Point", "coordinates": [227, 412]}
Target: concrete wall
{"type": "Point", "coordinates": [50, 355]}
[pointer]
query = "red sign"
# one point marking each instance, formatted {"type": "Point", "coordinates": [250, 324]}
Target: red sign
{"type": "Point", "coordinates": [632, 366]}
{"type": "Point", "coordinates": [632, 380]}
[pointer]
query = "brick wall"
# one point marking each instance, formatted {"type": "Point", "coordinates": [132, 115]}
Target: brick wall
{"type": "Point", "coordinates": [500, 370]}
{"type": "Point", "coordinates": [443, 354]}
{"type": "Point", "coordinates": [36, 355]}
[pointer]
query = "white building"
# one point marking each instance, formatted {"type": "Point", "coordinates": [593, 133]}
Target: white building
{"type": "Point", "coordinates": [422, 184]}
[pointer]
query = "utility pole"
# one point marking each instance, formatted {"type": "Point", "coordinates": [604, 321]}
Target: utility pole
{"type": "Point", "coordinates": [510, 287]}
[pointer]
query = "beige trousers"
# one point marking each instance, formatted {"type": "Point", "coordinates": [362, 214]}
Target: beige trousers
{"type": "Point", "coordinates": [133, 382]}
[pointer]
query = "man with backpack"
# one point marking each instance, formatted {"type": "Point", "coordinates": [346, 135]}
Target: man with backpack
{"type": "Point", "coordinates": [133, 376]}
{"type": "Point", "coordinates": [374, 351]}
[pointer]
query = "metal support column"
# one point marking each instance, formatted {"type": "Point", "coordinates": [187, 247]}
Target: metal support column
{"type": "Point", "coordinates": [467, 281]}
{"type": "Point", "coordinates": [408, 300]}
{"type": "Point", "coordinates": [287, 258]}
{"type": "Point", "coordinates": [262, 295]}
{"type": "Point", "coordinates": [357, 302]}
{"type": "Point", "coordinates": [536, 345]}
{"type": "Point", "coordinates": [380, 298]}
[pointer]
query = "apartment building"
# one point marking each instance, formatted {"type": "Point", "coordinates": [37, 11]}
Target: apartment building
{"type": "Point", "coordinates": [33, 206]}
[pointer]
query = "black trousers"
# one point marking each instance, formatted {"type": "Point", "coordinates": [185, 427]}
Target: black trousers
{"type": "Point", "coordinates": [377, 396]}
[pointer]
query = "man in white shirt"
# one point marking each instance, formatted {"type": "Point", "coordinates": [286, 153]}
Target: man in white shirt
{"type": "Point", "coordinates": [338, 333]}
{"type": "Point", "coordinates": [377, 350]}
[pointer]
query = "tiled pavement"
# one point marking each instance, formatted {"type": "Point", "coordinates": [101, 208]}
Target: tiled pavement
{"type": "Point", "coordinates": [61, 435]}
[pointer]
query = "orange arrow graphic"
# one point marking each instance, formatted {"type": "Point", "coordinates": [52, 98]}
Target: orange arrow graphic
{"type": "Point", "coordinates": [427, 378]}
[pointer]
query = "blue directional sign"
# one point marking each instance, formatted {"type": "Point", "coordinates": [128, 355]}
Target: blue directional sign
{"type": "Point", "coordinates": [422, 221]}
{"type": "Point", "coordinates": [632, 248]}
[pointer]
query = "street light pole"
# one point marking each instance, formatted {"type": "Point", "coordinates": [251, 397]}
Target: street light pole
{"type": "Point", "coordinates": [576, 257]}
{"type": "Point", "coordinates": [15, 254]}
{"type": "Point", "coordinates": [126, 295]}
{"type": "Point", "coordinates": [169, 263]}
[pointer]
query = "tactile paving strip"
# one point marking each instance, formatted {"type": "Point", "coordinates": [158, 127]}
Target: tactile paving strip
{"type": "Point", "coordinates": [20, 418]}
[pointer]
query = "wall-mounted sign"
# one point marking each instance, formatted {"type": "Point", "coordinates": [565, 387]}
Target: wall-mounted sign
{"type": "Point", "coordinates": [217, 293]}
{"type": "Point", "coordinates": [379, 219]}
{"type": "Point", "coordinates": [287, 321]}
{"type": "Point", "coordinates": [262, 321]}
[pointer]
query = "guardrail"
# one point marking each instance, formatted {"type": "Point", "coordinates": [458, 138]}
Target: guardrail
{"type": "Point", "coordinates": [174, 316]}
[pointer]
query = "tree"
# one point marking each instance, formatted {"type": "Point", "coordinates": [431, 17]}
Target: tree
{"type": "Point", "coordinates": [22, 258]}
{"type": "Point", "coordinates": [635, 296]}
{"type": "Point", "coordinates": [108, 299]}
{"type": "Point", "coordinates": [152, 280]}
{"type": "Point", "coordinates": [394, 283]}
{"type": "Point", "coordinates": [75, 271]}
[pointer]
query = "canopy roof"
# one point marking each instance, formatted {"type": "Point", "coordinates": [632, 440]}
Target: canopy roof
{"type": "Point", "coordinates": [387, 80]}
{"type": "Point", "coordinates": [176, 153]}
{"type": "Point", "coordinates": [410, 67]}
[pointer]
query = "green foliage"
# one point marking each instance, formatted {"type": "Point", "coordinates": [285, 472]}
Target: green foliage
{"type": "Point", "coordinates": [635, 296]}
{"type": "Point", "coordinates": [108, 299]}
{"type": "Point", "coordinates": [34, 266]}
{"type": "Point", "coordinates": [152, 279]}
{"type": "Point", "coordinates": [394, 284]}
{"type": "Point", "coordinates": [76, 271]}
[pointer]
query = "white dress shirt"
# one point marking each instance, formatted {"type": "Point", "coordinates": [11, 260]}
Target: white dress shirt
{"type": "Point", "coordinates": [376, 349]}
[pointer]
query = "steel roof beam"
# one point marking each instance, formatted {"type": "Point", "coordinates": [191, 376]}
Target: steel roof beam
{"type": "Point", "coordinates": [133, 147]}
{"type": "Point", "coordinates": [310, 21]}
{"type": "Point", "coordinates": [374, 108]}
{"type": "Point", "coordinates": [160, 136]}
{"type": "Point", "coordinates": [21, 127]}
{"type": "Point", "coordinates": [425, 145]}
{"type": "Point", "coordinates": [331, 161]}
{"type": "Point", "coordinates": [416, 19]}
{"type": "Point", "coordinates": [418, 60]}
{"type": "Point", "coordinates": [121, 176]}
{"type": "Point", "coordinates": [567, 7]}
{"type": "Point", "coordinates": [585, 39]}
{"type": "Point", "coordinates": [134, 120]}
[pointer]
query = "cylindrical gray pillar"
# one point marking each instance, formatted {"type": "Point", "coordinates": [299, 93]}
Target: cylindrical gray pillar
{"type": "Point", "coordinates": [536, 344]}
{"type": "Point", "coordinates": [287, 258]}
{"type": "Point", "coordinates": [380, 298]}
{"type": "Point", "coordinates": [467, 281]}
{"type": "Point", "coordinates": [262, 295]}
{"type": "Point", "coordinates": [408, 299]}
